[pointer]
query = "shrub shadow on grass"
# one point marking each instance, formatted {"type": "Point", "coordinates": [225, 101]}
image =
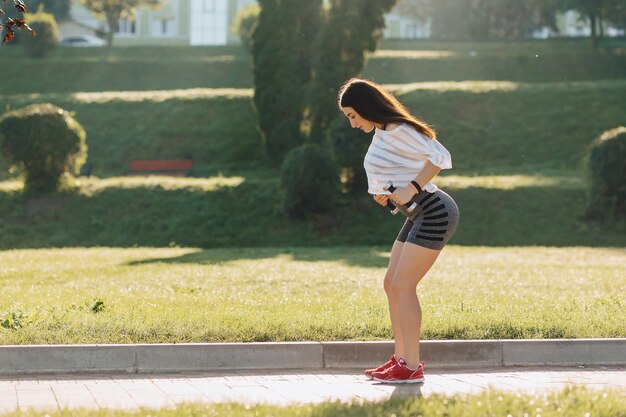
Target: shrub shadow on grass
{"type": "Point", "coordinates": [359, 256]}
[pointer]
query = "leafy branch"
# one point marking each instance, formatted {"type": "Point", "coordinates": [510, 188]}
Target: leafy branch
{"type": "Point", "coordinates": [8, 25]}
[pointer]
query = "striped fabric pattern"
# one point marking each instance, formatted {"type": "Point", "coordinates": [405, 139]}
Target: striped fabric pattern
{"type": "Point", "coordinates": [435, 222]}
{"type": "Point", "coordinates": [399, 155]}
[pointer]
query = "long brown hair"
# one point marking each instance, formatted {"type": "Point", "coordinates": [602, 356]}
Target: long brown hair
{"type": "Point", "coordinates": [375, 104]}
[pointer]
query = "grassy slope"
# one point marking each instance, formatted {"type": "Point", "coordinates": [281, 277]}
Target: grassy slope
{"type": "Point", "coordinates": [248, 214]}
{"type": "Point", "coordinates": [142, 68]}
{"type": "Point", "coordinates": [162, 68]}
{"type": "Point", "coordinates": [287, 294]}
{"type": "Point", "coordinates": [538, 124]}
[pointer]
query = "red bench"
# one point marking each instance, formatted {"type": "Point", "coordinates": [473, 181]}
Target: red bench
{"type": "Point", "coordinates": [170, 167]}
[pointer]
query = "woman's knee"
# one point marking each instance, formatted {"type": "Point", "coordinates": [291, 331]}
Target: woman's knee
{"type": "Point", "coordinates": [387, 285]}
{"type": "Point", "coordinates": [402, 285]}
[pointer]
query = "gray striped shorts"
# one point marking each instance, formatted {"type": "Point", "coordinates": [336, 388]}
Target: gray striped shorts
{"type": "Point", "coordinates": [432, 223]}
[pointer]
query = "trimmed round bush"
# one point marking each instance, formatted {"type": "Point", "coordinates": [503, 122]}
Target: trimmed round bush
{"type": "Point", "coordinates": [349, 147]}
{"type": "Point", "coordinates": [47, 34]}
{"type": "Point", "coordinates": [606, 168]}
{"type": "Point", "coordinates": [45, 142]}
{"type": "Point", "coordinates": [310, 181]}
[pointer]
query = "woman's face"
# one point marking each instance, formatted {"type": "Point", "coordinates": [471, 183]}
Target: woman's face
{"type": "Point", "coordinates": [356, 121]}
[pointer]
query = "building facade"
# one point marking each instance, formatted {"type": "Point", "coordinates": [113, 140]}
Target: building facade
{"type": "Point", "coordinates": [208, 22]}
{"type": "Point", "coordinates": [176, 22]}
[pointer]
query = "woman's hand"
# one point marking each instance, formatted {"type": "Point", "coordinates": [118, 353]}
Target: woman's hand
{"type": "Point", "coordinates": [403, 195]}
{"type": "Point", "coordinates": [381, 199]}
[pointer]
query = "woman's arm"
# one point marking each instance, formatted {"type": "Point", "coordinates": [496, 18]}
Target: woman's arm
{"type": "Point", "coordinates": [403, 195]}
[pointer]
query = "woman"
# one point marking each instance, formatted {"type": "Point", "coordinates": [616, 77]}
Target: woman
{"type": "Point", "coordinates": [404, 150]}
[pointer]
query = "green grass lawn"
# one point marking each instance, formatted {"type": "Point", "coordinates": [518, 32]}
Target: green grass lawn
{"type": "Point", "coordinates": [149, 295]}
{"type": "Point", "coordinates": [569, 402]}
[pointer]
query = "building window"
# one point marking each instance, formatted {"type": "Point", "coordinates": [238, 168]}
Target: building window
{"type": "Point", "coordinates": [126, 27]}
{"type": "Point", "coordinates": [208, 5]}
{"type": "Point", "coordinates": [208, 24]}
{"type": "Point", "coordinates": [164, 27]}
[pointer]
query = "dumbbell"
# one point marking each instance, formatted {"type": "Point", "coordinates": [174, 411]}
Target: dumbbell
{"type": "Point", "coordinates": [394, 210]}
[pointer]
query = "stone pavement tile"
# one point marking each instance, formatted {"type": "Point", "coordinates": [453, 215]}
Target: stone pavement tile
{"type": "Point", "coordinates": [451, 383]}
{"type": "Point", "coordinates": [145, 393]}
{"type": "Point", "coordinates": [294, 393]}
{"type": "Point", "coordinates": [39, 398]}
{"type": "Point", "coordinates": [180, 391]}
{"type": "Point", "coordinates": [259, 394]}
{"type": "Point", "coordinates": [292, 377]}
{"type": "Point", "coordinates": [8, 402]}
{"type": "Point", "coordinates": [242, 382]}
{"type": "Point", "coordinates": [109, 395]}
{"type": "Point", "coordinates": [27, 380]}
{"type": "Point", "coordinates": [73, 395]}
{"type": "Point", "coordinates": [272, 378]}
{"type": "Point", "coordinates": [372, 391]}
{"type": "Point", "coordinates": [214, 391]}
{"type": "Point", "coordinates": [7, 388]}
{"type": "Point", "coordinates": [151, 401]}
{"type": "Point", "coordinates": [294, 386]}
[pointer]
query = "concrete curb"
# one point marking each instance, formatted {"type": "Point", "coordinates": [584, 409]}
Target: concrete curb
{"type": "Point", "coordinates": [165, 358]}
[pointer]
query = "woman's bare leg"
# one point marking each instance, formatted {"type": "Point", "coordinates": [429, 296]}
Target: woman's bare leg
{"type": "Point", "coordinates": [415, 261]}
{"type": "Point", "coordinates": [396, 251]}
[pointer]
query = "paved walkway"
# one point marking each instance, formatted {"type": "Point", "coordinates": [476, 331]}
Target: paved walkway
{"type": "Point", "coordinates": [282, 388]}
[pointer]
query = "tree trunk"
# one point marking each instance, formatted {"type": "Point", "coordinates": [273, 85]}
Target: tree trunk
{"type": "Point", "coordinates": [594, 31]}
{"type": "Point", "coordinates": [113, 22]}
{"type": "Point", "coordinates": [601, 26]}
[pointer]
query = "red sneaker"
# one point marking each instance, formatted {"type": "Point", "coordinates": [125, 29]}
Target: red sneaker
{"type": "Point", "coordinates": [400, 374]}
{"type": "Point", "coordinates": [391, 362]}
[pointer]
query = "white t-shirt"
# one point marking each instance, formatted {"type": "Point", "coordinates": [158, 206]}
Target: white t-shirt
{"type": "Point", "coordinates": [399, 155]}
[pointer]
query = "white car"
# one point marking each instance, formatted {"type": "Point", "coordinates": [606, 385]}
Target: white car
{"type": "Point", "coordinates": [82, 40]}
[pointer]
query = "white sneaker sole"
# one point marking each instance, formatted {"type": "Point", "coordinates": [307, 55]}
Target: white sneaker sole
{"type": "Point", "coordinates": [400, 381]}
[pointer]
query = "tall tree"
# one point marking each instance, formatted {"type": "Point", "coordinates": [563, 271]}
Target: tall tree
{"type": "Point", "coordinates": [595, 11]}
{"type": "Point", "coordinates": [114, 10]}
{"type": "Point", "coordinates": [353, 27]}
{"type": "Point", "coordinates": [481, 19]}
{"type": "Point", "coordinates": [419, 11]}
{"type": "Point", "coordinates": [281, 51]}
{"type": "Point", "coordinates": [616, 14]}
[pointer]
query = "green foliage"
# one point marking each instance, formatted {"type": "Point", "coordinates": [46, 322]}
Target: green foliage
{"type": "Point", "coordinates": [281, 50]}
{"type": "Point", "coordinates": [309, 180]}
{"type": "Point", "coordinates": [483, 19]}
{"type": "Point", "coordinates": [352, 28]}
{"type": "Point", "coordinates": [244, 24]}
{"type": "Point", "coordinates": [616, 13]}
{"type": "Point", "coordinates": [45, 25]}
{"type": "Point", "coordinates": [45, 142]}
{"type": "Point", "coordinates": [595, 11]}
{"type": "Point", "coordinates": [98, 306]}
{"type": "Point", "coordinates": [12, 320]}
{"type": "Point", "coordinates": [59, 8]}
{"type": "Point", "coordinates": [114, 10]}
{"type": "Point", "coordinates": [607, 176]}
{"type": "Point", "coordinates": [349, 147]}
